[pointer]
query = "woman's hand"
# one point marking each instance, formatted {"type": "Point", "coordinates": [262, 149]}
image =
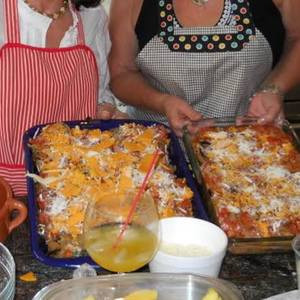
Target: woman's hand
{"type": "Point", "coordinates": [268, 107]}
{"type": "Point", "coordinates": [107, 111]}
{"type": "Point", "coordinates": [179, 114]}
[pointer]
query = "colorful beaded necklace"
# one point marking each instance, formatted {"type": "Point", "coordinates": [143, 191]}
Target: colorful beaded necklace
{"type": "Point", "coordinates": [54, 15]}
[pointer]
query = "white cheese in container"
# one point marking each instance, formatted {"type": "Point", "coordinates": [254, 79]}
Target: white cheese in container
{"type": "Point", "coordinates": [185, 250]}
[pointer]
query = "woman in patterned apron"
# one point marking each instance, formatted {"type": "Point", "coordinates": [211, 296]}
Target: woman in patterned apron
{"type": "Point", "coordinates": [51, 57]}
{"type": "Point", "coordinates": [182, 60]}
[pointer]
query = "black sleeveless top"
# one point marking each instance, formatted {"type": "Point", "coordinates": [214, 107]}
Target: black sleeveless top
{"type": "Point", "coordinates": [265, 15]}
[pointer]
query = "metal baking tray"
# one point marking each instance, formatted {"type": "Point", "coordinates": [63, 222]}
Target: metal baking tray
{"type": "Point", "coordinates": [237, 245]}
{"type": "Point", "coordinates": [38, 245]}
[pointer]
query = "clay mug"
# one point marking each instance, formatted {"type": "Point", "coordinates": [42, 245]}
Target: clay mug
{"type": "Point", "coordinates": [7, 205]}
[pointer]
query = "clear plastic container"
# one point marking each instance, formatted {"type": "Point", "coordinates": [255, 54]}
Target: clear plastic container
{"type": "Point", "coordinates": [168, 286]}
{"type": "Point", "coordinates": [7, 274]}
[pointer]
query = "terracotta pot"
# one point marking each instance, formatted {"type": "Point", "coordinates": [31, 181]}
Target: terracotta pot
{"type": "Point", "coordinates": [7, 205]}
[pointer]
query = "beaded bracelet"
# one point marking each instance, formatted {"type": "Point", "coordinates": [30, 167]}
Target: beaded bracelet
{"type": "Point", "coordinates": [271, 88]}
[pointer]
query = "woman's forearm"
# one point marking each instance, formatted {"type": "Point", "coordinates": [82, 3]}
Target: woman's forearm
{"type": "Point", "coordinates": [130, 87]}
{"type": "Point", "coordinates": [286, 74]}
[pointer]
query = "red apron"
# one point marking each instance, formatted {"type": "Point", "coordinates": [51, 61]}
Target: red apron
{"type": "Point", "coordinates": [39, 85]}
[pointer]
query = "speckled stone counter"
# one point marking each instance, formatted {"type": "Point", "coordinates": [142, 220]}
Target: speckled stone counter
{"type": "Point", "coordinates": [257, 276]}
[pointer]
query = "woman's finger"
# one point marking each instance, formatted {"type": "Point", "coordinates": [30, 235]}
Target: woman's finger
{"type": "Point", "coordinates": [120, 115]}
{"type": "Point", "coordinates": [105, 111]}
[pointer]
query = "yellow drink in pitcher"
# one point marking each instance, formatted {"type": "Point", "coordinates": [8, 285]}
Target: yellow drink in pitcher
{"type": "Point", "coordinates": [134, 250]}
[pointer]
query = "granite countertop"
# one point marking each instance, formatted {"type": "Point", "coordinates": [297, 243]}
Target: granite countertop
{"type": "Point", "coordinates": [257, 276]}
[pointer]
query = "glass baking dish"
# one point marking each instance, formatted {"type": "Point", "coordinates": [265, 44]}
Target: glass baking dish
{"type": "Point", "coordinates": [7, 274]}
{"type": "Point", "coordinates": [237, 245]}
{"type": "Point", "coordinates": [116, 287]}
{"type": "Point", "coordinates": [38, 244]}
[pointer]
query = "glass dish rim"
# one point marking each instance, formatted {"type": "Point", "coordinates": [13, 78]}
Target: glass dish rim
{"type": "Point", "coordinates": [11, 282]}
{"type": "Point", "coordinates": [114, 279]}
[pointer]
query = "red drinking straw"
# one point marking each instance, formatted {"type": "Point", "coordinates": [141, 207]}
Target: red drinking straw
{"type": "Point", "coordinates": [138, 196]}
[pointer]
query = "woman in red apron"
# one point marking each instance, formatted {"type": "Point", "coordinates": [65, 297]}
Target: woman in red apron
{"type": "Point", "coordinates": [44, 80]}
